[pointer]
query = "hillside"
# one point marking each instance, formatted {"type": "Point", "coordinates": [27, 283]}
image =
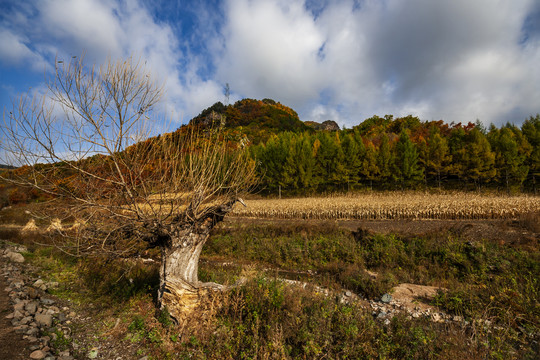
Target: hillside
{"type": "Point", "coordinates": [258, 119]}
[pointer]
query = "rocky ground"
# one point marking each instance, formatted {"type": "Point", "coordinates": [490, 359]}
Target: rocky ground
{"type": "Point", "coordinates": [37, 325]}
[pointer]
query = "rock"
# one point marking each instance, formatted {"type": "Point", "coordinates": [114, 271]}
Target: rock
{"type": "Point", "coordinates": [32, 331]}
{"type": "Point", "coordinates": [19, 306]}
{"type": "Point", "coordinates": [47, 301]}
{"type": "Point", "coordinates": [31, 339]}
{"type": "Point", "coordinates": [386, 298]}
{"type": "Point", "coordinates": [15, 257]}
{"type": "Point", "coordinates": [18, 315]}
{"type": "Point", "coordinates": [44, 320]}
{"type": "Point", "coordinates": [38, 354]}
{"type": "Point", "coordinates": [31, 307]}
{"type": "Point", "coordinates": [32, 293]}
{"type": "Point", "coordinates": [38, 283]}
{"type": "Point", "coordinates": [25, 320]}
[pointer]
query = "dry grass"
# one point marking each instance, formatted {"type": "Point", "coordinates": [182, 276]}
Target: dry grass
{"type": "Point", "coordinates": [393, 205]}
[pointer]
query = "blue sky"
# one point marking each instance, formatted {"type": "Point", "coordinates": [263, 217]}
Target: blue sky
{"type": "Point", "coordinates": [456, 60]}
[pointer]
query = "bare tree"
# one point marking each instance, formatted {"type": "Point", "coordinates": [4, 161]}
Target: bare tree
{"type": "Point", "coordinates": [87, 143]}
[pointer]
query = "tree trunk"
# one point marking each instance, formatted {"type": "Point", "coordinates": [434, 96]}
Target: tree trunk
{"type": "Point", "coordinates": [179, 287]}
{"type": "Point", "coordinates": [178, 280]}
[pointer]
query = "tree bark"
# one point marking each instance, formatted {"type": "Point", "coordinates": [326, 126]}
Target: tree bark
{"type": "Point", "coordinates": [180, 289]}
{"type": "Point", "coordinates": [179, 284]}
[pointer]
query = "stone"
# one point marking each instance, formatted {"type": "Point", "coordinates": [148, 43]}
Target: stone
{"type": "Point", "coordinates": [32, 293]}
{"type": "Point", "coordinates": [38, 283]}
{"type": "Point", "coordinates": [38, 354]}
{"type": "Point", "coordinates": [19, 306]}
{"type": "Point", "coordinates": [44, 320]}
{"type": "Point", "coordinates": [25, 320]}
{"type": "Point", "coordinates": [15, 257]}
{"type": "Point", "coordinates": [386, 298]}
{"type": "Point", "coordinates": [31, 307]}
{"type": "Point", "coordinates": [32, 331]}
{"type": "Point", "coordinates": [18, 315]}
{"type": "Point", "coordinates": [48, 302]}
{"type": "Point", "coordinates": [50, 312]}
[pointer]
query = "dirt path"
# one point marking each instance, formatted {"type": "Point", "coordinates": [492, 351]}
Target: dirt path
{"type": "Point", "coordinates": [12, 346]}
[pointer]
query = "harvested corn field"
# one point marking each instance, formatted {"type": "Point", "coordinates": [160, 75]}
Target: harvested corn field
{"type": "Point", "coordinates": [393, 205]}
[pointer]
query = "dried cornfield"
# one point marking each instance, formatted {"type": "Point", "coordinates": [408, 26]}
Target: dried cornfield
{"type": "Point", "coordinates": [393, 205]}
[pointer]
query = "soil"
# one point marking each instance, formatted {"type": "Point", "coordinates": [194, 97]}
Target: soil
{"type": "Point", "coordinates": [12, 346]}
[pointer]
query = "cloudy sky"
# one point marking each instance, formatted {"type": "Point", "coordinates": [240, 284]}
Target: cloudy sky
{"type": "Point", "coordinates": [456, 60]}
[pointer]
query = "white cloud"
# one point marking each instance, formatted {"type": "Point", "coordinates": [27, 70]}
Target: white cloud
{"type": "Point", "coordinates": [14, 51]}
{"type": "Point", "coordinates": [345, 60]}
{"type": "Point", "coordinates": [456, 60]}
{"type": "Point", "coordinates": [110, 29]}
{"type": "Point", "coordinates": [271, 50]}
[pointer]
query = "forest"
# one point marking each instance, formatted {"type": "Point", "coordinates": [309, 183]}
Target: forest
{"type": "Point", "coordinates": [388, 153]}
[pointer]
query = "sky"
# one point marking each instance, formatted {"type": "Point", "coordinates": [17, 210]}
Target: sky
{"type": "Point", "coordinates": [342, 60]}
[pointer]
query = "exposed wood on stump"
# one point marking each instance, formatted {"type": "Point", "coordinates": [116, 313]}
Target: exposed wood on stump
{"type": "Point", "coordinates": [180, 289]}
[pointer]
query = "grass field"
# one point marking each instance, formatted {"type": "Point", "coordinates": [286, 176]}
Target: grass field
{"type": "Point", "coordinates": [392, 205]}
{"type": "Point", "coordinates": [491, 280]}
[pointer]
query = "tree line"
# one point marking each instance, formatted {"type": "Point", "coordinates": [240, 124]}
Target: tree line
{"type": "Point", "coordinates": [402, 153]}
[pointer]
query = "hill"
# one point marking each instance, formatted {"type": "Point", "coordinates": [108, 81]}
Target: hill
{"type": "Point", "coordinates": [258, 119]}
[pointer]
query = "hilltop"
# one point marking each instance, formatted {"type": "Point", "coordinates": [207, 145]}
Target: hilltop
{"type": "Point", "coordinates": [258, 119]}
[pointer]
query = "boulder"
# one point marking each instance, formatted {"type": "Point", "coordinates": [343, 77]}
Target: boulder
{"type": "Point", "coordinates": [15, 257]}
{"type": "Point", "coordinates": [44, 320]}
{"type": "Point", "coordinates": [31, 307]}
{"type": "Point", "coordinates": [38, 354]}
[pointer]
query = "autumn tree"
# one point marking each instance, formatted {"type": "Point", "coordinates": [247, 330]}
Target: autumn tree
{"type": "Point", "coordinates": [478, 159]}
{"type": "Point", "coordinates": [406, 168]}
{"type": "Point", "coordinates": [511, 150]}
{"type": "Point", "coordinates": [438, 158]}
{"type": "Point", "coordinates": [87, 143]}
{"type": "Point", "coordinates": [531, 131]}
{"type": "Point", "coordinates": [370, 170]}
{"type": "Point", "coordinates": [385, 159]}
